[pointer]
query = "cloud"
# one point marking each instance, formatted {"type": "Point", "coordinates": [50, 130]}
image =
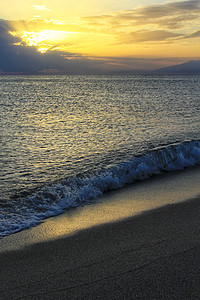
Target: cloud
{"type": "Point", "coordinates": [148, 36]}
{"type": "Point", "coordinates": [185, 5]}
{"type": "Point", "coordinates": [20, 59]}
{"type": "Point", "coordinates": [165, 22]}
{"type": "Point", "coordinates": [140, 28]}
{"type": "Point", "coordinates": [5, 37]}
{"type": "Point", "coordinates": [169, 9]}
{"type": "Point", "coordinates": [195, 34]}
{"type": "Point", "coordinates": [170, 15]}
{"type": "Point", "coordinates": [15, 58]}
{"type": "Point", "coordinates": [40, 7]}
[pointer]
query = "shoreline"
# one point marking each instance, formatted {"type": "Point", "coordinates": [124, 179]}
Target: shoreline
{"type": "Point", "coordinates": [28, 208]}
{"type": "Point", "coordinates": [154, 255]}
{"type": "Point", "coordinates": [114, 206]}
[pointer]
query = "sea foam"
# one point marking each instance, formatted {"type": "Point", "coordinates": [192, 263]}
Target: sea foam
{"type": "Point", "coordinates": [84, 188]}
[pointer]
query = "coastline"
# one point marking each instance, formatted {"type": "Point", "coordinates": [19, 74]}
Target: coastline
{"type": "Point", "coordinates": [131, 200]}
{"type": "Point", "coordinates": [152, 254]}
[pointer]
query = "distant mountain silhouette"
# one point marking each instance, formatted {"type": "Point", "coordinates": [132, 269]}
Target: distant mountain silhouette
{"type": "Point", "coordinates": [190, 67]}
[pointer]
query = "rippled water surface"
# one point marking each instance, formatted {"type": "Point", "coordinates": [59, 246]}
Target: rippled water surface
{"type": "Point", "coordinates": [55, 127]}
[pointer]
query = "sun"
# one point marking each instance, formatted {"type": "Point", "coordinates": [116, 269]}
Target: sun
{"type": "Point", "coordinates": [46, 39]}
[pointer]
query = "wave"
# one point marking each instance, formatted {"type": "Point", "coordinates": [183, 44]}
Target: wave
{"type": "Point", "coordinates": [84, 188]}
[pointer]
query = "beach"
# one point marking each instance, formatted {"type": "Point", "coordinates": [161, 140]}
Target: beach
{"type": "Point", "coordinates": [100, 151]}
{"type": "Point", "coordinates": [153, 254]}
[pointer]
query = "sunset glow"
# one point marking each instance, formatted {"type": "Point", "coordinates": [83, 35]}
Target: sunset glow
{"type": "Point", "coordinates": [161, 33]}
{"type": "Point", "coordinates": [46, 39]}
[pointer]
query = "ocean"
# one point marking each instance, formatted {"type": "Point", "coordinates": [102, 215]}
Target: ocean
{"type": "Point", "coordinates": [66, 140]}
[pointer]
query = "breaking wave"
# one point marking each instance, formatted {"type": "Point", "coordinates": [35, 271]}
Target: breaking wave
{"type": "Point", "coordinates": [84, 188]}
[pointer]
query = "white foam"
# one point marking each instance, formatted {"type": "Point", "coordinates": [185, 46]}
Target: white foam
{"type": "Point", "coordinates": [80, 190]}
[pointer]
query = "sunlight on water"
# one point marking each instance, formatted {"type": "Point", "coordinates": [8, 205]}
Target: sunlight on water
{"type": "Point", "coordinates": [55, 127]}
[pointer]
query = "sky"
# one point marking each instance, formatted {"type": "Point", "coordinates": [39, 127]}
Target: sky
{"type": "Point", "coordinates": [96, 36]}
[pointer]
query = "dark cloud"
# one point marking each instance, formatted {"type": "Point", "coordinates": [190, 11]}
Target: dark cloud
{"type": "Point", "coordinates": [185, 5]}
{"type": "Point", "coordinates": [148, 24]}
{"type": "Point", "coordinates": [20, 59]}
{"type": "Point", "coordinates": [5, 37]}
{"type": "Point", "coordinates": [16, 57]}
{"type": "Point", "coordinates": [169, 9]}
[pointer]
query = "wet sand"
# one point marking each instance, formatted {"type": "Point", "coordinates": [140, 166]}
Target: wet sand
{"type": "Point", "coordinates": [153, 255]}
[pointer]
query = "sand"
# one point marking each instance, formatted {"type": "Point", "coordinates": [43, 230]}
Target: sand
{"type": "Point", "coordinates": [153, 255]}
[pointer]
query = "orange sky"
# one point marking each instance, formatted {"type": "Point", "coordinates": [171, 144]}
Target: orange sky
{"type": "Point", "coordinates": [159, 33]}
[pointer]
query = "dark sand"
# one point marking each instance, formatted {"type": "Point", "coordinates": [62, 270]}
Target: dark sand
{"type": "Point", "coordinates": [155, 255]}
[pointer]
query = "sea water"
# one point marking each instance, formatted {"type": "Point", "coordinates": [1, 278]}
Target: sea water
{"type": "Point", "coordinates": [66, 140]}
